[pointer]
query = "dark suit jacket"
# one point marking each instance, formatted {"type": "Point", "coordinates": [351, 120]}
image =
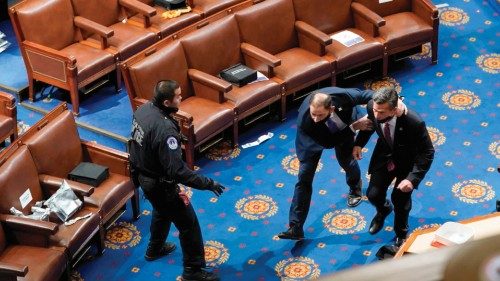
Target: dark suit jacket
{"type": "Point", "coordinates": [412, 151]}
{"type": "Point", "coordinates": [312, 138]}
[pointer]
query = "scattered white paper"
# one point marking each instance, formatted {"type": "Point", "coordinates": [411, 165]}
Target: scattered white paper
{"type": "Point", "coordinates": [25, 198]}
{"type": "Point", "coordinates": [384, 1]}
{"type": "Point", "coordinates": [72, 221]}
{"type": "Point", "coordinates": [347, 38]}
{"type": "Point", "coordinates": [260, 77]}
{"type": "Point", "coordinates": [260, 140]}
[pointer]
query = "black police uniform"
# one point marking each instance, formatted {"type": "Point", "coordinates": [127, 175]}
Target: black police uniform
{"type": "Point", "coordinates": [155, 153]}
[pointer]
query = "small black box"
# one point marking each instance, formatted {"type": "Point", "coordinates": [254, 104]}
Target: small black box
{"type": "Point", "coordinates": [239, 74]}
{"type": "Point", "coordinates": [89, 173]}
{"type": "Point", "coordinates": [171, 4]}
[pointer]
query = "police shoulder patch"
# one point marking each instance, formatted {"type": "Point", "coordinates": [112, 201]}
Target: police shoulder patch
{"type": "Point", "coordinates": [172, 143]}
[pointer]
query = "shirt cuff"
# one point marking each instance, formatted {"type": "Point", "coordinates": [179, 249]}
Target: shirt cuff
{"type": "Point", "coordinates": [352, 128]}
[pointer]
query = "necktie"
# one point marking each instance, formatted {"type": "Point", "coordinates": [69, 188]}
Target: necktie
{"type": "Point", "coordinates": [387, 135]}
{"type": "Point", "coordinates": [331, 125]}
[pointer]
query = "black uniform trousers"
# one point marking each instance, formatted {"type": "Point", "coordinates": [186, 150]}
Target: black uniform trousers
{"type": "Point", "coordinates": [380, 181]}
{"type": "Point", "coordinates": [169, 208]}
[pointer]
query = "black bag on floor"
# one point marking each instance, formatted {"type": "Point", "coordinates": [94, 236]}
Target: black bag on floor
{"type": "Point", "coordinates": [239, 74]}
{"type": "Point", "coordinates": [89, 173]}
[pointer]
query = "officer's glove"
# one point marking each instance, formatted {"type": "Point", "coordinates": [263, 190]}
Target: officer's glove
{"type": "Point", "coordinates": [217, 188]}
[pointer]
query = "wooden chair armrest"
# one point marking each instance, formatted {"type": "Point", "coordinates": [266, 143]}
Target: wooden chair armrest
{"type": "Point", "coordinates": [312, 39]}
{"type": "Point", "coordinates": [29, 225]}
{"type": "Point", "coordinates": [10, 269]}
{"type": "Point", "coordinates": [8, 105]}
{"type": "Point", "coordinates": [313, 33]}
{"type": "Point", "coordinates": [425, 10]}
{"type": "Point", "coordinates": [116, 161]}
{"type": "Point", "coordinates": [138, 7]}
{"type": "Point", "coordinates": [52, 183]}
{"type": "Point", "coordinates": [208, 86]}
{"type": "Point", "coordinates": [366, 20]}
{"type": "Point", "coordinates": [93, 27]}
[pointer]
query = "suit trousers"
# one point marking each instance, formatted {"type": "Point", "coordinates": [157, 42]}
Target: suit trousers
{"type": "Point", "coordinates": [301, 201]}
{"type": "Point", "coordinates": [169, 208]}
{"type": "Point", "coordinates": [377, 192]}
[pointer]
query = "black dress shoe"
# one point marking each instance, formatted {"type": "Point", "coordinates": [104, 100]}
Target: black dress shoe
{"type": "Point", "coordinates": [399, 241]}
{"type": "Point", "coordinates": [353, 200]}
{"type": "Point", "coordinates": [292, 234]}
{"type": "Point", "coordinates": [155, 253]}
{"type": "Point", "coordinates": [198, 274]}
{"type": "Point", "coordinates": [378, 221]}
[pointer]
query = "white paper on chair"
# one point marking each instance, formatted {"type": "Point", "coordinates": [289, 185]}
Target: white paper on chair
{"type": "Point", "coordinates": [347, 38]}
{"type": "Point", "coordinates": [260, 77]}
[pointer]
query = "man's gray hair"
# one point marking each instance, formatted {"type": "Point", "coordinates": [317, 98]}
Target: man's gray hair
{"type": "Point", "coordinates": [386, 95]}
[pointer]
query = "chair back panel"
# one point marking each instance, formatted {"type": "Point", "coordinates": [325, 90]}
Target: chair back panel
{"type": "Point", "coordinates": [47, 22]}
{"type": "Point", "coordinates": [56, 148]}
{"type": "Point", "coordinates": [214, 47]}
{"type": "Point", "coordinates": [105, 12]}
{"type": "Point", "coordinates": [269, 25]}
{"type": "Point", "coordinates": [17, 175]}
{"type": "Point", "coordinates": [168, 62]}
{"type": "Point", "coordinates": [388, 8]}
{"type": "Point", "coordinates": [328, 16]}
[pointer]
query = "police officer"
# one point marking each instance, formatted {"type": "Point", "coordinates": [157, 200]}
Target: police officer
{"type": "Point", "coordinates": [156, 157]}
{"type": "Point", "coordinates": [327, 119]}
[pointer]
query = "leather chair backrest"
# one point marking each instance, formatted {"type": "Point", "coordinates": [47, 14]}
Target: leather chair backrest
{"type": "Point", "coordinates": [47, 22]}
{"type": "Point", "coordinates": [17, 175]}
{"type": "Point", "coordinates": [168, 62]}
{"type": "Point", "coordinates": [105, 12]}
{"type": "Point", "coordinates": [56, 148]}
{"type": "Point", "coordinates": [328, 16]}
{"type": "Point", "coordinates": [269, 25]}
{"type": "Point", "coordinates": [388, 8]}
{"type": "Point", "coordinates": [213, 47]}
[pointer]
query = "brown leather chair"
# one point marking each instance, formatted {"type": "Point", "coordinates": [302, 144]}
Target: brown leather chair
{"type": "Point", "coordinates": [8, 117]}
{"type": "Point", "coordinates": [210, 7]}
{"type": "Point", "coordinates": [271, 27]}
{"type": "Point", "coordinates": [23, 262]}
{"type": "Point", "coordinates": [218, 46]}
{"type": "Point", "coordinates": [408, 24]}
{"type": "Point", "coordinates": [204, 113]}
{"type": "Point", "coordinates": [334, 16]}
{"type": "Point", "coordinates": [56, 148]}
{"type": "Point", "coordinates": [53, 50]}
{"type": "Point", "coordinates": [128, 39]}
{"type": "Point", "coordinates": [18, 174]}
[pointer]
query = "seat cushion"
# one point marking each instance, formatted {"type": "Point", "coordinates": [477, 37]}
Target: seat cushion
{"type": "Point", "coordinates": [254, 96]}
{"type": "Point", "coordinates": [357, 54]}
{"type": "Point", "coordinates": [129, 39]}
{"type": "Point", "coordinates": [74, 237]}
{"type": "Point", "coordinates": [405, 29]}
{"type": "Point", "coordinates": [208, 116]}
{"type": "Point", "coordinates": [44, 264]}
{"type": "Point", "coordinates": [111, 195]}
{"type": "Point", "coordinates": [89, 60]}
{"type": "Point", "coordinates": [6, 126]}
{"type": "Point", "coordinates": [299, 67]}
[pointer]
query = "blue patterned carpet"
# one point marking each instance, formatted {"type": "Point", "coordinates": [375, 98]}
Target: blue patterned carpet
{"type": "Point", "coordinates": [458, 98]}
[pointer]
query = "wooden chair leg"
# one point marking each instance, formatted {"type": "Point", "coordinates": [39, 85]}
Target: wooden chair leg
{"type": "Point", "coordinates": [100, 236]}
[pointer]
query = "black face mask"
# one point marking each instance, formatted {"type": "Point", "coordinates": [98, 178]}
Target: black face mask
{"type": "Point", "coordinates": [385, 120]}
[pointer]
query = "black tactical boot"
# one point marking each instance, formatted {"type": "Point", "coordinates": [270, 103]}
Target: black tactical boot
{"type": "Point", "coordinates": [153, 253]}
{"type": "Point", "coordinates": [198, 274]}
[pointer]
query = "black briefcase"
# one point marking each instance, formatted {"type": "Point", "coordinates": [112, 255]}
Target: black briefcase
{"type": "Point", "coordinates": [89, 173]}
{"type": "Point", "coordinates": [171, 4]}
{"type": "Point", "coordinates": [239, 74]}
